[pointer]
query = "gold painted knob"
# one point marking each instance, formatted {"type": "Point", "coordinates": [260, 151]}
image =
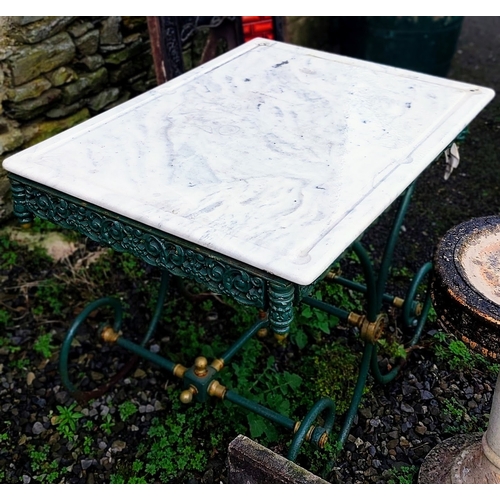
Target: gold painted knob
{"type": "Point", "coordinates": [200, 366]}
{"type": "Point", "coordinates": [187, 395]}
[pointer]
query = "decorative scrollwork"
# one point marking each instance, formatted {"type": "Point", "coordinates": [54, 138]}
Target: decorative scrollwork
{"type": "Point", "coordinates": [110, 230]}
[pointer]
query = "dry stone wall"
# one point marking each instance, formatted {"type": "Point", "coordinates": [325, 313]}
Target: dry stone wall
{"type": "Point", "coordinates": [58, 71]}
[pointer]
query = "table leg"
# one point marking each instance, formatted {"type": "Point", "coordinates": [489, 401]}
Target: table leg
{"type": "Point", "coordinates": [20, 208]}
{"type": "Point", "coordinates": [281, 307]}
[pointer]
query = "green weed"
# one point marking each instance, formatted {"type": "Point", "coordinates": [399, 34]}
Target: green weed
{"type": "Point", "coordinates": [404, 475]}
{"type": "Point", "coordinates": [392, 348]}
{"type": "Point", "coordinates": [45, 470]}
{"type": "Point", "coordinates": [5, 318]}
{"type": "Point", "coordinates": [107, 425]}
{"type": "Point", "coordinates": [126, 410]}
{"type": "Point", "coordinates": [51, 296]}
{"type": "Point", "coordinates": [8, 252]}
{"type": "Point", "coordinates": [459, 420]}
{"type": "Point", "coordinates": [20, 364]}
{"type": "Point", "coordinates": [458, 356]}
{"type": "Point", "coordinates": [131, 266]}
{"type": "Point", "coordinates": [43, 345]}
{"type": "Point", "coordinates": [67, 420]}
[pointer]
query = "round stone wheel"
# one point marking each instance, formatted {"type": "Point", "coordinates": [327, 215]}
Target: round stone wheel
{"type": "Point", "coordinates": [466, 285]}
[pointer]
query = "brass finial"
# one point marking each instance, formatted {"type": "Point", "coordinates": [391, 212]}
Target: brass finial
{"type": "Point", "coordinates": [200, 366]}
{"type": "Point", "coordinates": [187, 395]}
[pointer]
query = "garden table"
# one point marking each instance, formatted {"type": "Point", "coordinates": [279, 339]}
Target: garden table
{"type": "Point", "coordinates": [251, 175]}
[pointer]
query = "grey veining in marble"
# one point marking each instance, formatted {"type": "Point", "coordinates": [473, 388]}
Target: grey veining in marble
{"type": "Point", "coordinates": [276, 155]}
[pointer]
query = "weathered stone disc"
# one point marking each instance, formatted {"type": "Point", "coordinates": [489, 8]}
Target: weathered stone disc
{"type": "Point", "coordinates": [466, 284]}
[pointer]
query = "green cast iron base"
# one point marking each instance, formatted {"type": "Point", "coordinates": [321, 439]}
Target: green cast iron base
{"type": "Point", "coordinates": [200, 381]}
{"type": "Point", "coordinates": [247, 285]}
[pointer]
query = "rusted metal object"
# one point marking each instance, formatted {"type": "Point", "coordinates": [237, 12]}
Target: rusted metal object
{"type": "Point", "coordinates": [466, 285]}
{"type": "Point", "coordinates": [466, 296]}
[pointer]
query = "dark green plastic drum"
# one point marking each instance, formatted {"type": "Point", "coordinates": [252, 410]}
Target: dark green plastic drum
{"type": "Point", "coordinates": [420, 43]}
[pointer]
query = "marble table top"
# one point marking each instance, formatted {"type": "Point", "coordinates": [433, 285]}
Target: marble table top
{"type": "Point", "coordinates": [276, 155]}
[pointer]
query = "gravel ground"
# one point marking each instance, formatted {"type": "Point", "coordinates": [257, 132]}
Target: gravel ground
{"type": "Point", "coordinates": [438, 393]}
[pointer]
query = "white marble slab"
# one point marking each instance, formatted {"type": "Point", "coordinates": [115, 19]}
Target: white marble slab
{"type": "Point", "coordinates": [276, 155]}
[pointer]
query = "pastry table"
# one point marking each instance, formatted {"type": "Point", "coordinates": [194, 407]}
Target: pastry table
{"type": "Point", "coordinates": [251, 175]}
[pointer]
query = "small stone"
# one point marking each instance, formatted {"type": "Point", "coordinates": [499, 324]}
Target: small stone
{"type": "Point", "coordinates": [79, 28]}
{"type": "Point", "coordinates": [366, 413]}
{"type": "Point", "coordinates": [88, 43]}
{"type": "Point", "coordinates": [38, 428]}
{"type": "Point", "coordinates": [93, 62]}
{"type": "Point", "coordinates": [62, 75]}
{"type": "Point", "coordinates": [139, 373]}
{"type": "Point", "coordinates": [31, 108]}
{"type": "Point", "coordinates": [407, 408]}
{"type": "Point", "coordinates": [30, 90]}
{"type": "Point", "coordinates": [426, 395]}
{"type": "Point", "coordinates": [118, 446]}
{"type": "Point", "coordinates": [110, 31]}
{"type": "Point", "coordinates": [404, 442]}
{"type": "Point", "coordinates": [370, 472]}
{"type": "Point", "coordinates": [421, 429]}
{"type": "Point", "coordinates": [86, 463]}
{"type": "Point", "coordinates": [54, 438]}
{"type": "Point", "coordinates": [29, 378]}
{"type": "Point", "coordinates": [392, 444]}
{"type": "Point", "coordinates": [358, 442]}
{"type": "Point", "coordinates": [26, 479]}
{"type": "Point", "coordinates": [96, 376]}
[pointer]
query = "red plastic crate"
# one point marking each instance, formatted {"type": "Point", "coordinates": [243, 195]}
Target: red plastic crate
{"type": "Point", "coordinates": [257, 26]}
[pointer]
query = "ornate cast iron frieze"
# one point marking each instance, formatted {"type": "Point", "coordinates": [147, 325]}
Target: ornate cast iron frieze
{"type": "Point", "coordinates": [217, 273]}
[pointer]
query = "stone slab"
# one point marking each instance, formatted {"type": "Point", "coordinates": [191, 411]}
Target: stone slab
{"type": "Point", "coordinates": [274, 155]}
{"type": "Point", "coordinates": [252, 463]}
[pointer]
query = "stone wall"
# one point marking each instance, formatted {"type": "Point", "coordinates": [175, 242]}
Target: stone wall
{"type": "Point", "coordinates": [58, 71]}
